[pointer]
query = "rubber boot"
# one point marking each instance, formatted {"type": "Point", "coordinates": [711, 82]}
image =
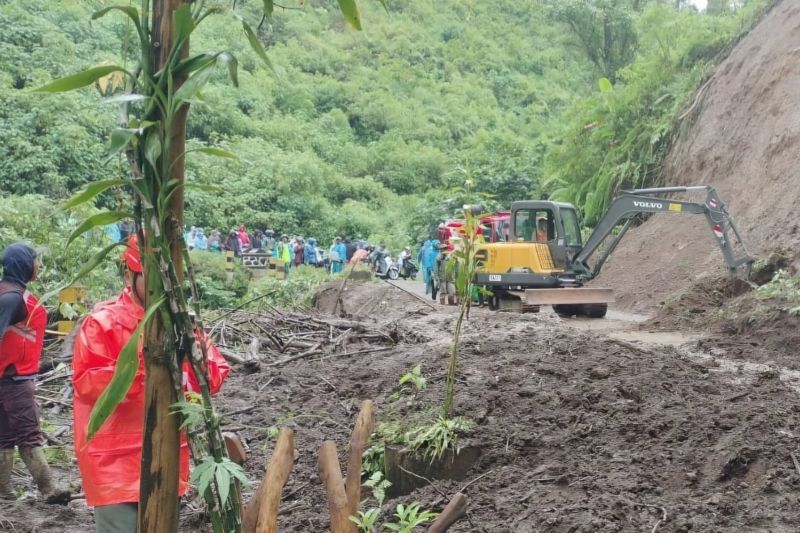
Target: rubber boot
{"type": "Point", "coordinates": [6, 466]}
{"type": "Point", "coordinates": [36, 462]}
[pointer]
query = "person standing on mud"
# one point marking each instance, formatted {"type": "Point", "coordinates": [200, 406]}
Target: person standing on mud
{"type": "Point", "coordinates": [110, 463]}
{"type": "Point", "coordinates": [22, 325]}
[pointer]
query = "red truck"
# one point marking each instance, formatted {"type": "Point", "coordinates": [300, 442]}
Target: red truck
{"type": "Point", "coordinates": [493, 228]}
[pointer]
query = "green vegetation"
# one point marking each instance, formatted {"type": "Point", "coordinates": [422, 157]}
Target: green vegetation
{"type": "Point", "coordinates": [407, 518]}
{"type": "Point", "coordinates": [36, 219]}
{"type": "Point", "coordinates": [294, 292]}
{"type": "Point", "coordinates": [785, 289]}
{"type": "Point", "coordinates": [618, 137]}
{"type": "Point", "coordinates": [380, 133]}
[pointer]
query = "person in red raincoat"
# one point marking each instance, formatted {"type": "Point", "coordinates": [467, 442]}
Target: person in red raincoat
{"type": "Point", "coordinates": [110, 463]}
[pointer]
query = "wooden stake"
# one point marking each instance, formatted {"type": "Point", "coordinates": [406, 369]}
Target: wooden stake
{"type": "Point", "coordinates": [331, 474]}
{"type": "Point", "coordinates": [365, 425]}
{"type": "Point", "coordinates": [261, 514]}
{"type": "Point", "coordinates": [450, 515]}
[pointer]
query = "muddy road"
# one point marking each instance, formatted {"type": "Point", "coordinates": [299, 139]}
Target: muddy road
{"type": "Point", "coordinates": [582, 425]}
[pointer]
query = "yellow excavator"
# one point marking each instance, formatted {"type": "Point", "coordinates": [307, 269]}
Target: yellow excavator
{"type": "Point", "coordinates": [545, 261]}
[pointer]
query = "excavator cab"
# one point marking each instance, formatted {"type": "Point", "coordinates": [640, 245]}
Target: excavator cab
{"type": "Point", "coordinates": [555, 224]}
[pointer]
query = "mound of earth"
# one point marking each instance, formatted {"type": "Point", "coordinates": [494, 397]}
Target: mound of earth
{"type": "Point", "coordinates": [700, 305]}
{"type": "Point", "coordinates": [743, 139]}
{"type": "Point", "coordinates": [367, 298]}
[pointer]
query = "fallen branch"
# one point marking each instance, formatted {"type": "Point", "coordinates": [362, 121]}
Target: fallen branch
{"type": "Point", "coordinates": [217, 319]}
{"type": "Point", "coordinates": [417, 296]}
{"type": "Point", "coordinates": [465, 487]}
{"type": "Point", "coordinates": [456, 509]}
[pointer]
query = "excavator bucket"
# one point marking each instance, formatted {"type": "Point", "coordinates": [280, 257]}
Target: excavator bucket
{"type": "Point", "coordinates": [564, 296]}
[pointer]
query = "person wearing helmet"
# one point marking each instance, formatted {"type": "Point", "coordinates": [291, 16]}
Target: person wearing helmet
{"type": "Point", "coordinates": [22, 325]}
{"type": "Point", "coordinates": [110, 463]}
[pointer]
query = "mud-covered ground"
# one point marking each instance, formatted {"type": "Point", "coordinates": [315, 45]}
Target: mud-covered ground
{"type": "Point", "coordinates": [580, 429]}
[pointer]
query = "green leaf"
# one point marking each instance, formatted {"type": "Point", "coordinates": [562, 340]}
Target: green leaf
{"type": "Point", "coordinates": [187, 66]}
{"type": "Point", "coordinates": [269, 7]}
{"type": "Point", "coordinates": [94, 261]}
{"type": "Point", "coordinates": [351, 13]}
{"type": "Point", "coordinates": [120, 138]}
{"type": "Point", "coordinates": [90, 191]}
{"type": "Point", "coordinates": [216, 152]}
{"type": "Point", "coordinates": [100, 219]}
{"type": "Point", "coordinates": [124, 99]}
{"type": "Point", "coordinates": [203, 473]}
{"type": "Point", "coordinates": [256, 45]}
{"type": "Point", "coordinates": [237, 472]}
{"type": "Point", "coordinates": [223, 479]}
{"type": "Point", "coordinates": [193, 85]}
{"type": "Point", "coordinates": [130, 11]}
{"type": "Point", "coordinates": [81, 79]}
{"type": "Point", "coordinates": [182, 23]}
{"type": "Point", "coordinates": [152, 148]}
{"type": "Point", "coordinates": [233, 67]}
{"type": "Point", "coordinates": [605, 85]}
{"type": "Point", "coordinates": [121, 381]}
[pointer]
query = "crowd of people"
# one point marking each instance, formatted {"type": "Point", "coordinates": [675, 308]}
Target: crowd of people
{"type": "Point", "coordinates": [294, 250]}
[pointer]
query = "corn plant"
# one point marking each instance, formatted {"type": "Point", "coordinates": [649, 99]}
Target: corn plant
{"type": "Point", "coordinates": [461, 266]}
{"type": "Point", "coordinates": [154, 99]}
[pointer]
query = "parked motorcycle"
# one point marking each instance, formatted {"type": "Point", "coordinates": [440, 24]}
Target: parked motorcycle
{"type": "Point", "coordinates": [385, 268]}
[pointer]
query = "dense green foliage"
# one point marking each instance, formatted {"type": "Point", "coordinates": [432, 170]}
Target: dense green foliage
{"type": "Point", "coordinates": [37, 220]}
{"type": "Point", "coordinates": [376, 133]}
{"type": "Point", "coordinates": [618, 137]}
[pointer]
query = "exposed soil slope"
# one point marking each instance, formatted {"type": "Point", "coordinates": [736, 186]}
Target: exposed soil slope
{"type": "Point", "coordinates": [743, 139]}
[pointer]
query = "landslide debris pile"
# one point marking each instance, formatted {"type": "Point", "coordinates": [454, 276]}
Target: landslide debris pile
{"type": "Point", "coordinates": [742, 138]}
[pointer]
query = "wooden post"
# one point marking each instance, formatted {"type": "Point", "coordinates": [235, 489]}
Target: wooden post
{"type": "Point", "coordinates": [450, 515]}
{"type": "Point", "coordinates": [261, 515]}
{"type": "Point", "coordinates": [158, 492]}
{"type": "Point", "coordinates": [331, 474]}
{"type": "Point", "coordinates": [365, 425]}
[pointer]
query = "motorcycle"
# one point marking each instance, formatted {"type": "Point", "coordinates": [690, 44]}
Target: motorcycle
{"type": "Point", "coordinates": [385, 268]}
{"type": "Point", "coordinates": [409, 269]}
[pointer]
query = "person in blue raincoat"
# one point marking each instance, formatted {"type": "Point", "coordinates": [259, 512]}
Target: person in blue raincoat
{"type": "Point", "coordinates": [200, 240]}
{"type": "Point", "coordinates": [426, 274]}
{"type": "Point", "coordinates": [310, 252]}
{"type": "Point", "coordinates": [341, 250]}
{"type": "Point", "coordinates": [429, 263]}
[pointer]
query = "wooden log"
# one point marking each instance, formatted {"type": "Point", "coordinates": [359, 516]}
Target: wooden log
{"type": "Point", "coordinates": [331, 474]}
{"type": "Point", "coordinates": [261, 514]}
{"type": "Point", "coordinates": [450, 515]}
{"type": "Point", "coordinates": [253, 348]}
{"type": "Point", "coordinates": [236, 451]}
{"type": "Point", "coordinates": [365, 425]}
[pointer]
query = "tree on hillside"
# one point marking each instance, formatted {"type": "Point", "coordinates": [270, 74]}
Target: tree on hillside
{"type": "Point", "coordinates": [604, 29]}
{"type": "Point", "coordinates": [154, 109]}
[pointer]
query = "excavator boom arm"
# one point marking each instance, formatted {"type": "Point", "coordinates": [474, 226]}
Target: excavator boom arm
{"type": "Point", "coordinates": [631, 203]}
